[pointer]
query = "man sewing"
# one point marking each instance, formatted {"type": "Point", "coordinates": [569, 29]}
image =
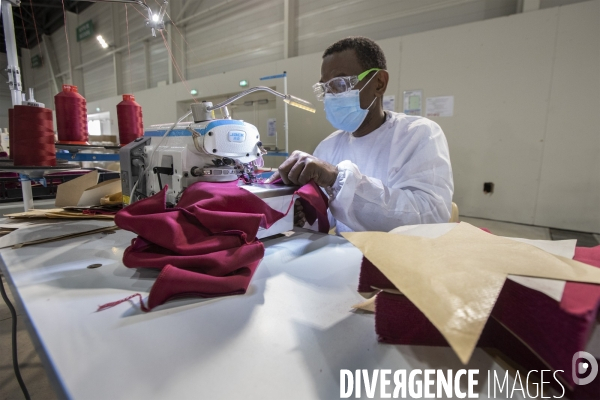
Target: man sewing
{"type": "Point", "coordinates": [381, 169]}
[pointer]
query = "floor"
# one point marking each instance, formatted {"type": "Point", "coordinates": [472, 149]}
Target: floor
{"type": "Point", "coordinates": [37, 381]}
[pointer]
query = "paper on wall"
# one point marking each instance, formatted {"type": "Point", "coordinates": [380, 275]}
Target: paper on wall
{"type": "Point", "coordinates": [272, 127]}
{"type": "Point", "coordinates": [455, 279]}
{"type": "Point", "coordinates": [442, 106]}
{"type": "Point", "coordinates": [413, 102]}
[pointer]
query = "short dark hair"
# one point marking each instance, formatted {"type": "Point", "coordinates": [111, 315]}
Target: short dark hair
{"type": "Point", "coordinates": [368, 52]}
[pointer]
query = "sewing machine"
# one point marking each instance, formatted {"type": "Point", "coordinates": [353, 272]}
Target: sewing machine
{"type": "Point", "coordinates": [206, 150]}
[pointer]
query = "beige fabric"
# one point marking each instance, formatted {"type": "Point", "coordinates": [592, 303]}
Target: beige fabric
{"type": "Point", "coordinates": [455, 279]}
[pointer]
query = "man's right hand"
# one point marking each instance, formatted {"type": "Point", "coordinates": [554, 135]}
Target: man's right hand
{"type": "Point", "coordinates": [300, 168]}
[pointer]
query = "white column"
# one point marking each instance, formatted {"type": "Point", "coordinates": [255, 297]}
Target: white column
{"type": "Point", "coordinates": [176, 42]}
{"type": "Point", "coordinates": [147, 62]}
{"type": "Point", "coordinates": [290, 15]}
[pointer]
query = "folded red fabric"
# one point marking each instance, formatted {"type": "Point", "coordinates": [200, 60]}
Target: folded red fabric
{"type": "Point", "coordinates": [206, 246]}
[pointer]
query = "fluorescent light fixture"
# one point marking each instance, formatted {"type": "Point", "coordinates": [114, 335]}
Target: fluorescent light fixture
{"type": "Point", "coordinates": [193, 92]}
{"type": "Point", "coordinates": [243, 83]}
{"type": "Point", "coordinates": [298, 102]}
{"type": "Point", "coordinates": [102, 41]}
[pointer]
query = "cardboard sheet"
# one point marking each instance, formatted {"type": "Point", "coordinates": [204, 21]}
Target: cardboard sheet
{"type": "Point", "coordinates": [456, 278]}
{"type": "Point", "coordinates": [58, 213]}
{"type": "Point", "coordinates": [85, 191]}
{"type": "Point", "coordinates": [550, 287]}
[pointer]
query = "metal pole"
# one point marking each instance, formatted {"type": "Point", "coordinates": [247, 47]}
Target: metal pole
{"type": "Point", "coordinates": [286, 116]}
{"type": "Point", "coordinates": [27, 193]}
{"type": "Point", "coordinates": [14, 83]}
{"type": "Point", "coordinates": [14, 74]}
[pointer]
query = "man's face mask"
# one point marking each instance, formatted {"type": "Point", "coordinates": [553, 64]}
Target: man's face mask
{"type": "Point", "coordinates": [342, 103]}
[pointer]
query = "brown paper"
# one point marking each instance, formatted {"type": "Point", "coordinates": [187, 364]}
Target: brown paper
{"type": "Point", "coordinates": [69, 193]}
{"type": "Point", "coordinates": [108, 229]}
{"type": "Point", "coordinates": [455, 279]}
{"type": "Point", "coordinates": [85, 191]}
{"type": "Point", "coordinates": [57, 213]}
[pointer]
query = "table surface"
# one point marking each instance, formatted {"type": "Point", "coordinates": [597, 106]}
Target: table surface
{"type": "Point", "coordinates": [288, 337]}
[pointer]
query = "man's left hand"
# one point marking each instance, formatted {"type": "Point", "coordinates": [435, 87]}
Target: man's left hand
{"type": "Point", "coordinates": [302, 167]}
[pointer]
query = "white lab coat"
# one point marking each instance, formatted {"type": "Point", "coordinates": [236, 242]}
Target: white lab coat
{"type": "Point", "coordinates": [399, 174]}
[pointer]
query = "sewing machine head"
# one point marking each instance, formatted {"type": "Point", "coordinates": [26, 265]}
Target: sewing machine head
{"type": "Point", "coordinates": [212, 150]}
{"type": "Point", "coordinates": [208, 149]}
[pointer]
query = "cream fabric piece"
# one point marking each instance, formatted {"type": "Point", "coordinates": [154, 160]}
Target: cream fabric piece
{"type": "Point", "coordinates": [455, 279]}
{"type": "Point", "coordinates": [550, 287]}
{"type": "Point", "coordinates": [399, 174]}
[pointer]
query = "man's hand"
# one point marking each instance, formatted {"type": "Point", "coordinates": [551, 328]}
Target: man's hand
{"type": "Point", "coordinates": [301, 167]}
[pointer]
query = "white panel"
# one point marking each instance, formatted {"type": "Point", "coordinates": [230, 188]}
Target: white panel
{"type": "Point", "coordinates": [499, 72]}
{"type": "Point", "coordinates": [99, 80]}
{"type": "Point", "coordinates": [569, 195]}
{"type": "Point", "coordinates": [322, 23]}
{"type": "Point", "coordinates": [243, 34]}
{"type": "Point", "coordinates": [134, 71]}
{"type": "Point", "coordinates": [59, 41]}
{"type": "Point", "coordinates": [159, 59]}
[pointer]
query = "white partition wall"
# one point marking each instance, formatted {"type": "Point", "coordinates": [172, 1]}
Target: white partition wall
{"type": "Point", "coordinates": [569, 188]}
{"type": "Point", "coordinates": [499, 73]}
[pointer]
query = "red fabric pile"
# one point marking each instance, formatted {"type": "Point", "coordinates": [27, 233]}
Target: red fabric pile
{"type": "Point", "coordinates": [206, 246]}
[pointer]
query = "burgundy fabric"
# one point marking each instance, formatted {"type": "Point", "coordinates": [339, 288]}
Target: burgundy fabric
{"type": "Point", "coordinates": [551, 331]}
{"type": "Point", "coordinates": [206, 246]}
{"type": "Point", "coordinates": [370, 277]}
{"type": "Point", "coordinates": [398, 321]}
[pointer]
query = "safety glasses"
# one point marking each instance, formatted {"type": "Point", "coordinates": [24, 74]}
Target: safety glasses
{"type": "Point", "coordinates": [339, 84]}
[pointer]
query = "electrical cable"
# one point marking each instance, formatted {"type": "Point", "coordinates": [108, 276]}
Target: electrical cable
{"type": "Point", "coordinates": [15, 361]}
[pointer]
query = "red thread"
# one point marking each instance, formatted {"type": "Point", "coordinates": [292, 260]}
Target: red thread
{"type": "Point", "coordinates": [71, 116]}
{"type": "Point", "coordinates": [129, 115]}
{"type": "Point", "coordinates": [116, 303]}
{"type": "Point", "coordinates": [33, 139]}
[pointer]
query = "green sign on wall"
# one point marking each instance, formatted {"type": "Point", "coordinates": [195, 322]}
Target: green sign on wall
{"type": "Point", "coordinates": [85, 30]}
{"type": "Point", "coordinates": [36, 61]}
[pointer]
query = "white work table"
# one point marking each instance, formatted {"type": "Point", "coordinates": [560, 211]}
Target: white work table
{"type": "Point", "coordinates": [286, 338]}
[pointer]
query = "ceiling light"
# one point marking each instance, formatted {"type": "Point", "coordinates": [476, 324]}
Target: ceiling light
{"type": "Point", "coordinates": [193, 92]}
{"type": "Point", "coordinates": [102, 41]}
{"type": "Point", "coordinates": [155, 18]}
{"type": "Point", "coordinates": [243, 83]}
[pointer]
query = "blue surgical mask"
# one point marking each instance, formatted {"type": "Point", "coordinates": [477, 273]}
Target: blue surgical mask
{"type": "Point", "coordinates": [343, 110]}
